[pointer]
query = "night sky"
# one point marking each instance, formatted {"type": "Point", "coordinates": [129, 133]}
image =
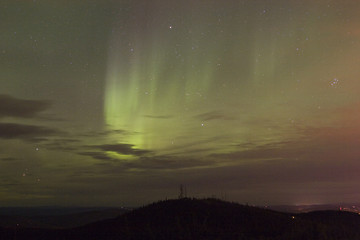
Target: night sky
{"type": "Point", "coordinates": [110, 103]}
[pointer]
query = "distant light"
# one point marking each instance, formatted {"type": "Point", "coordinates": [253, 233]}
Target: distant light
{"type": "Point", "coordinates": [334, 82]}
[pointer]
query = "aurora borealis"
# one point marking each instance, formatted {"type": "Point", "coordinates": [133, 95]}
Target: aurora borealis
{"type": "Point", "coordinates": [119, 102]}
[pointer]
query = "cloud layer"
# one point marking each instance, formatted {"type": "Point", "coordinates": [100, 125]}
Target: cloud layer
{"type": "Point", "coordinates": [25, 132]}
{"type": "Point", "coordinates": [13, 107]}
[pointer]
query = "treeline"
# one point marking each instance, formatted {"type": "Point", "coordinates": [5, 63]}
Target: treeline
{"type": "Point", "coordinates": [211, 219]}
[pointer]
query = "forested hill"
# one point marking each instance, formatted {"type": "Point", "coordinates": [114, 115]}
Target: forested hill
{"type": "Point", "coordinates": [209, 219]}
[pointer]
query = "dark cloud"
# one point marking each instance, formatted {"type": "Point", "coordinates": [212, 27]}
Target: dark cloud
{"type": "Point", "coordinates": [25, 132]}
{"type": "Point", "coordinates": [278, 150]}
{"type": "Point", "coordinates": [123, 148]}
{"type": "Point", "coordinates": [51, 117]}
{"type": "Point", "coordinates": [116, 131]}
{"type": "Point", "coordinates": [13, 107]}
{"type": "Point", "coordinates": [327, 145]}
{"type": "Point", "coordinates": [62, 144]}
{"type": "Point", "coordinates": [162, 162]}
{"type": "Point", "coordinates": [288, 172]}
{"type": "Point", "coordinates": [166, 163]}
{"type": "Point", "coordinates": [213, 115]}
{"type": "Point", "coordinates": [105, 133]}
{"type": "Point", "coordinates": [97, 155]}
{"type": "Point", "coordinates": [199, 150]}
{"type": "Point", "coordinates": [191, 143]}
{"type": "Point", "coordinates": [8, 159]}
{"type": "Point", "coordinates": [159, 116]}
{"type": "Point", "coordinates": [66, 141]}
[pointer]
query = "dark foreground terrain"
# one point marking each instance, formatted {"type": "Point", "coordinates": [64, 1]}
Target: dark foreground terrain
{"type": "Point", "coordinates": [206, 219]}
{"type": "Point", "coordinates": [55, 218]}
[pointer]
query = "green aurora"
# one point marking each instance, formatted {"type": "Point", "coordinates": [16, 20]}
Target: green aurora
{"type": "Point", "coordinates": [119, 102]}
{"type": "Point", "coordinates": [180, 83]}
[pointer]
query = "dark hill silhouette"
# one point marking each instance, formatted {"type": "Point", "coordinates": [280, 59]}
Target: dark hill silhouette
{"type": "Point", "coordinates": [192, 219]}
{"type": "Point", "coordinates": [209, 219]}
{"type": "Point", "coordinates": [61, 220]}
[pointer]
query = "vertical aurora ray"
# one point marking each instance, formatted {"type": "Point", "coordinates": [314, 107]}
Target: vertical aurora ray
{"type": "Point", "coordinates": [177, 76]}
{"type": "Point", "coordinates": [162, 75]}
{"type": "Point", "coordinates": [154, 82]}
{"type": "Point", "coordinates": [259, 98]}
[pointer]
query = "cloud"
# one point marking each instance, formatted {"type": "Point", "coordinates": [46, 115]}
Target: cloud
{"type": "Point", "coordinates": [213, 115]}
{"type": "Point", "coordinates": [160, 162]}
{"type": "Point", "coordinates": [60, 144]}
{"type": "Point", "coordinates": [123, 148]}
{"type": "Point", "coordinates": [153, 163]}
{"type": "Point", "coordinates": [189, 144]}
{"type": "Point", "coordinates": [159, 116]}
{"type": "Point", "coordinates": [105, 133]}
{"type": "Point", "coordinates": [50, 117]}
{"type": "Point", "coordinates": [97, 155]}
{"type": "Point", "coordinates": [277, 150]}
{"type": "Point", "coordinates": [166, 163]}
{"type": "Point", "coordinates": [321, 144]}
{"type": "Point", "coordinates": [13, 107]}
{"type": "Point", "coordinates": [25, 132]}
{"type": "Point", "coordinates": [8, 159]}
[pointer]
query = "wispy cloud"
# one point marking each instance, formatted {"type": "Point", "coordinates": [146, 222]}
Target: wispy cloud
{"type": "Point", "coordinates": [97, 155]}
{"type": "Point", "coordinates": [123, 148]}
{"type": "Point", "coordinates": [159, 116]}
{"type": "Point", "coordinates": [212, 115]}
{"type": "Point", "coordinates": [166, 163]}
{"type": "Point", "coordinates": [106, 133]}
{"type": "Point", "coordinates": [25, 132]}
{"type": "Point", "coordinates": [8, 159]}
{"type": "Point", "coordinates": [20, 108]}
{"type": "Point", "coordinates": [63, 144]}
{"type": "Point", "coordinates": [145, 163]}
